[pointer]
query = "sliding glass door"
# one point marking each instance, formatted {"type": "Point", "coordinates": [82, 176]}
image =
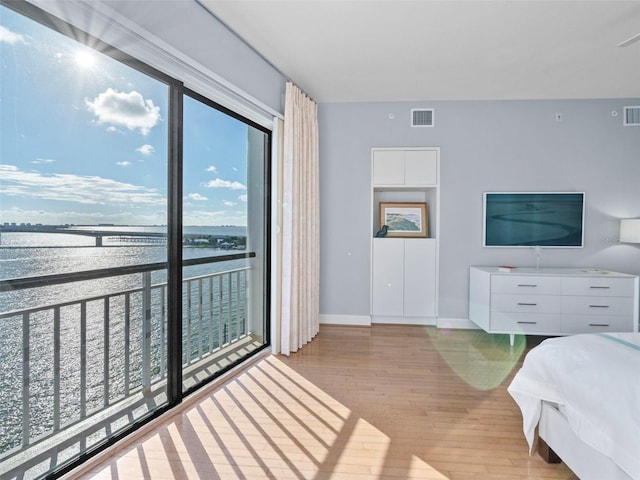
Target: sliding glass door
{"type": "Point", "coordinates": [224, 227]}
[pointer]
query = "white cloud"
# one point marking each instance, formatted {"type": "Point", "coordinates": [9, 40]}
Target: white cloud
{"type": "Point", "coordinates": [207, 217]}
{"type": "Point", "coordinates": [146, 149]}
{"type": "Point", "coordinates": [7, 36]}
{"type": "Point", "coordinates": [197, 197]}
{"type": "Point", "coordinates": [219, 183]}
{"type": "Point", "coordinates": [212, 169]}
{"type": "Point", "coordinates": [129, 110]}
{"type": "Point", "coordinates": [229, 203]}
{"type": "Point", "coordinates": [75, 188]}
{"type": "Point", "coordinates": [242, 198]}
{"type": "Point", "coordinates": [112, 129]}
{"type": "Point", "coordinates": [43, 160]}
{"type": "Point", "coordinates": [124, 163]}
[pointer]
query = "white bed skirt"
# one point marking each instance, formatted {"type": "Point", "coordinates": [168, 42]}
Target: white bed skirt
{"type": "Point", "coordinates": [583, 460]}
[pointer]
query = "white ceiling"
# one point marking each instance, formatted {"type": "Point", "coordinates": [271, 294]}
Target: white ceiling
{"type": "Point", "coordinates": [393, 50]}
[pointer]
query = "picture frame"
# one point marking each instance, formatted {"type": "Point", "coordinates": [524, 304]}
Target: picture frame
{"type": "Point", "coordinates": [405, 219]}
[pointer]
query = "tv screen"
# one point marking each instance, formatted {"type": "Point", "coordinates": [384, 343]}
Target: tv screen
{"type": "Point", "coordinates": [553, 219]}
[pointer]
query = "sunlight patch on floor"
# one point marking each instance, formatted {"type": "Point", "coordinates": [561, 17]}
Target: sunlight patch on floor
{"type": "Point", "coordinates": [269, 422]}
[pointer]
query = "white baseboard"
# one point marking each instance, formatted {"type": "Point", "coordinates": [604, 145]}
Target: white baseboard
{"type": "Point", "coordinates": [357, 320]}
{"type": "Point", "coordinates": [456, 323]}
{"type": "Point", "coordinates": [390, 319]}
{"type": "Point", "coordinates": [367, 321]}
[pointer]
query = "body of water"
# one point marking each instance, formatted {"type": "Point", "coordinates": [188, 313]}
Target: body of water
{"type": "Point", "coordinates": [36, 254]}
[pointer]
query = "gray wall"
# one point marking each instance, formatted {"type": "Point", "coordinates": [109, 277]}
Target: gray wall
{"type": "Point", "coordinates": [485, 146]}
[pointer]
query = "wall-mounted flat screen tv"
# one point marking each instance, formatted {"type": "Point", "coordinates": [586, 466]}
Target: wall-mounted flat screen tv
{"type": "Point", "coordinates": [548, 219]}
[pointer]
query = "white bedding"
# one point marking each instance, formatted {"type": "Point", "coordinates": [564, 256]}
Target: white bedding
{"type": "Point", "coordinates": [595, 379]}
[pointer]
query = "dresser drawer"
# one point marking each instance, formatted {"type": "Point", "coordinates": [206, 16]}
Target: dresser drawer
{"type": "Point", "coordinates": [501, 302]}
{"type": "Point", "coordinates": [599, 286]}
{"type": "Point", "coordinates": [573, 305]}
{"type": "Point", "coordinates": [525, 322]}
{"type": "Point", "coordinates": [527, 285]}
{"type": "Point", "coordinates": [590, 324]}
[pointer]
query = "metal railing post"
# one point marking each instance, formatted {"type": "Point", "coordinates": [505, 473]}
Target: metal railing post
{"type": "Point", "coordinates": [210, 302]}
{"type": "Point", "coordinates": [229, 307]}
{"type": "Point", "coordinates": [26, 372]}
{"type": "Point", "coordinates": [127, 343]}
{"type": "Point", "coordinates": [146, 331]}
{"type": "Point", "coordinates": [200, 340]}
{"type": "Point", "coordinates": [83, 359]}
{"type": "Point", "coordinates": [56, 368]}
{"type": "Point", "coordinates": [106, 349]}
{"type": "Point", "coordinates": [163, 332]}
{"type": "Point", "coordinates": [238, 315]}
{"type": "Point", "coordinates": [187, 319]}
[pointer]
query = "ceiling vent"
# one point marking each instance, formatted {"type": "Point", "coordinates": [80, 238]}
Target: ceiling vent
{"type": "Point", "coordinates": [632, 116]}
{"type": "Point", "coordinates": [422, 117]}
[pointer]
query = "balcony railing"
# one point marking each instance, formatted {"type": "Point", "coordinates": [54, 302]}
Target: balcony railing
{"type": "Point", "coordinates": [84, 355]}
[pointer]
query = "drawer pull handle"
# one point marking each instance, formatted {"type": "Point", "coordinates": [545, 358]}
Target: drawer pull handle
{"type": "Point", "coordinates": [598, 306]}
{"type": "Point", "coordinates": [596, 286]}
{"type": "Point", "coordinates": [527, 285]}
{"type": "Point", "coordinates": [527, 323]}
{"type": "Point", "coordinates": [527, 304]}
{"type": "Point", "coordinates": [598, 324]}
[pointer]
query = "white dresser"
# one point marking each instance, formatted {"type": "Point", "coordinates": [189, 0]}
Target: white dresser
{"type": "Point", "coordinates": [552, 301]}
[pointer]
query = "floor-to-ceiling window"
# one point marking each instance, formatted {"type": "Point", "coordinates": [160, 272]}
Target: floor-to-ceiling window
{"type": "Point", "coordinates": [110, 172]}
{"type": "Point", "coordinates": [224, 224]}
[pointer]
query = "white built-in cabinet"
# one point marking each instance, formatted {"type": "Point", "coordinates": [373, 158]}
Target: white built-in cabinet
{"type": "Point", "coordinates": [404, 271]}
{"type": "Point", "coordinates": [405, 167]}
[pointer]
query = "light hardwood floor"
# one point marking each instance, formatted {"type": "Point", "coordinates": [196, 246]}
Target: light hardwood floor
{"type": "Point", "coordinates": [386, 402]}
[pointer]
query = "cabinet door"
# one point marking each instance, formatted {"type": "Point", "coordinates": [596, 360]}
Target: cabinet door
{"type": "Point", "coordinates": [421, 167]}
{"type": "Point", "coordinates": [387, 276]}
{"type": "Point", "coordinates": [388, 167]}
{"type": "Point", "coordinates": [420, 278]}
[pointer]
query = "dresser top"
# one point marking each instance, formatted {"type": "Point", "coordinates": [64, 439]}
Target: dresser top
{"type": "Point", "coordinates": [565, 272]}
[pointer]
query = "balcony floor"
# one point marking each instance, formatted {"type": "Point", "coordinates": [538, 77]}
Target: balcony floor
{"type": "Point", "coordinates": [386, 402]}
{"type": "Point", "coordinates": [33, 461]}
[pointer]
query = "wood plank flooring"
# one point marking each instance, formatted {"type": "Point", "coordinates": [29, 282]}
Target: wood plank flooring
{"type": "Point", "coordinates": [386, 402]}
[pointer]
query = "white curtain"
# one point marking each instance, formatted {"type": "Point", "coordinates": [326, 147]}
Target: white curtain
{"type": "Point", "coordinates": [300, 223]}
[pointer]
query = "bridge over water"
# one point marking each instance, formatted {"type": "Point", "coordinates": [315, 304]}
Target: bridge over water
{"type": "Point", "coordinates": [97, 233]}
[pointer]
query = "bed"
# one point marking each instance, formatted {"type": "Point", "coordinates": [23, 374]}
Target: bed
{"type": "Point", "coordinates": [583, 394]}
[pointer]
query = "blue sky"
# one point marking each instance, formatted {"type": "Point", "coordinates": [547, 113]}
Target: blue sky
{"type": "Point", "coordinates": [83, 139]}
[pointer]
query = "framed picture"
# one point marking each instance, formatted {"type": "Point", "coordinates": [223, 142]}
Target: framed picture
{"type": "Point", "coordinates": [407, 219]}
